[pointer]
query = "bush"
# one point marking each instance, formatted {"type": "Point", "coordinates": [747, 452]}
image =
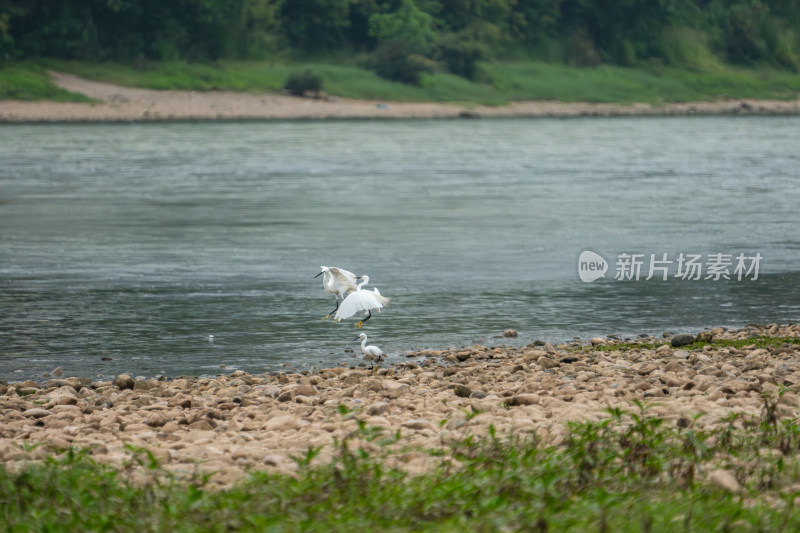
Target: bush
{"type": "Point", "coordinates": [300, 83]}
{"type": "Point", "coordinates": [393, 61]}
{"type": "Point", "coordinates": [461, 55]}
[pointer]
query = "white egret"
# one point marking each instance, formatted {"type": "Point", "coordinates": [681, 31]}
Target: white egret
{"type": "Point", "coordinates": [339, 282]}
{"type": "Point", "coordinates": [371, 353]}
{"type": "Point", "coordinates": [361, 300]}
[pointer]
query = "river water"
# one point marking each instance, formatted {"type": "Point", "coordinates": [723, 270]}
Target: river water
{"type": "Point", "coordinates": [124, 247]}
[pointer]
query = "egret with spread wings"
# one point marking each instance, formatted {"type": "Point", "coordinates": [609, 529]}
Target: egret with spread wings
{"type": "Point", "coordinates": [361, 300]}
{"type": "Point", "coordinates": [339, 282]}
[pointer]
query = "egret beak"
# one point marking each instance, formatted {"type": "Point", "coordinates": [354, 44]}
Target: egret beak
{"type": "Point", "coordinates": [357, 338]}
{"type": "Point", "coordinates": [318, 275]}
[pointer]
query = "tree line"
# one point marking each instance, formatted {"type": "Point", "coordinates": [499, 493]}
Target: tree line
{"type": "Point", "coordinates": [402, 38]}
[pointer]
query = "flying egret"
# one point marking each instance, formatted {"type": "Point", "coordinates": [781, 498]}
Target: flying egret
{"type": "Point", "coordinates": [339, 282]}
{"type": "Point", "coordinates": [371, 353]}
{"type": "Point", "coordinates": [360, 300]}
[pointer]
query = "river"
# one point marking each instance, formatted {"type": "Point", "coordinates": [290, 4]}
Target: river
{"type": "Point", "coordinates": [124, 247]}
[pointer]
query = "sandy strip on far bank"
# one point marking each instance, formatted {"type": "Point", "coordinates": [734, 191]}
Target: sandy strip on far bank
{"type": "Point", "coordinates": [124, 104]}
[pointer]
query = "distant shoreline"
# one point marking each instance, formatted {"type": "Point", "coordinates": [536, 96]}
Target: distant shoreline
{"type": "Point", "coordinates": [124, 104]}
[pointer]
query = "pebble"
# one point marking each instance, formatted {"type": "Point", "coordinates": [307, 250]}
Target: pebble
{"type": "Point", "coordinates": [378, 408]}
{"type": "Point", "coordinates": [124, 381]}
{"type": "Point", "coordinates": [419, 423]}
{"type": "Point", "coordinates": [264, 420]}
{"type": "Point", "coordinates": [547, 363]}
{"type": "Point", "coordinates": [724, 480]}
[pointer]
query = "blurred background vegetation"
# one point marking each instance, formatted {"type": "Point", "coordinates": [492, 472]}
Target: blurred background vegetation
{"type": "Point", "coordinates": [409, 41]}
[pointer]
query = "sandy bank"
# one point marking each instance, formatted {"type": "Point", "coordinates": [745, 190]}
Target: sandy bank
{"type": "Point", "coordinates": [123, 104]}
{"type": "Point", "coordinates": [240, 422]}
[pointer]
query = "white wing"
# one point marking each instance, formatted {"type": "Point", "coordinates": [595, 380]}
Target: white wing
{"type": "Point", "coordinates": [383, 300]}
{"type": "Point", "coordinates": [344, 281]}
{"type": "Point", "coordinates": [356, 302]}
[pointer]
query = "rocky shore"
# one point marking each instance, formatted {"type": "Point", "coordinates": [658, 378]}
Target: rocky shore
{"type": "Point", "coordinates": [124, 104]}
{"type": "Point", "coordinates": [240, 422]}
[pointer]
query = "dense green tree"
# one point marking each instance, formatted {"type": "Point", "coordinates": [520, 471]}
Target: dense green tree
{"type": "Point", "coordinates": [315, 24]}
{"type": "Point", "coordinates": [533, 20]}
{"type": "Point", "coordinates": [404, 36]}
{"type": "Point", "coordinates": [748, 33]}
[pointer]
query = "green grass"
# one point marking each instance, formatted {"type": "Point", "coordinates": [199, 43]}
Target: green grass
{"type": "Point", "coordinates": [756, 341]}
{"type": "Point", "coordinates": [629, 472]}
{"type": "Point", "coordinates": [27, 81]}
{"type": "Point", "coordinates": [501, 83]}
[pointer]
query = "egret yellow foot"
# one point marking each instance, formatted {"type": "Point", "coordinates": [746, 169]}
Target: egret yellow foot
{"type": "Point", "coordinates": [325, 317]}
{"type": "Point", "coordinates": [360, 323]}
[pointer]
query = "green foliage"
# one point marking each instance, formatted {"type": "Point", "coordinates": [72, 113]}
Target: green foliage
{"type": "Point", "coordinates": [751, 35]}
{"type": "Point", "coordinates": [404, 38]}
{"type": "Point", "coordinates": [682, 46]}
{"type": "Point", "coordinates": [461, 55]}
{"type": "Point", "coordinates": [630, 471]}
{"type": "Point", "coordinates": [394, 61]}
{"type": "Point", "coordinates": [301, 82]}
{"type": "Point", "coordinates": [689, 34]}
{"type": "Point", "coordinates": [408, 25]}
{"type": "Point", "coordinates": [314, 24]}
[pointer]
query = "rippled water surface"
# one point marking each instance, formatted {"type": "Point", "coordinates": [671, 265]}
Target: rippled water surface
{"type": "Point", "coordinates": [123, 247]}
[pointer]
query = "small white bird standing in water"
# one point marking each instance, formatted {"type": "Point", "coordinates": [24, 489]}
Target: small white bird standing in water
{"type": "Point", "coordinates": [371, 353]}
{"type": "Point", "coordinates": [360, 300]}
{"type": "Point", "coordinates": [339, 282]}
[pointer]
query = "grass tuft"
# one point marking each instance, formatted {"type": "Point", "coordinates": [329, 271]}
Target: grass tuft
{"type": "Point", "coordinates": [754, 341]}
{"type": "Point", "coordinates": [27, 81]}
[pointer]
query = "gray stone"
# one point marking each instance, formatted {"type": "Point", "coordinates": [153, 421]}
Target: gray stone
{"type": "Point", "coordinates": [285, 397]}
{"type": "Point", "coordinates": [682, 339]}
{"type": "Point", "coordinates": [55, 383]}
{"type": "Point", "coordinates": [305, 390]}
{"type": "Point", "coordinates": [523, 399]}
{"type": "Point", "coordinates": [395, 390]}
{"type": "Point", "coordinates": [704, 336]}
{"type": "Point", "coordinates": [724, 480]}
{"type": "Point", "coordinates": [144, 384]}
{"type": "Point", "coordinates": [681, 354]}
{"type": "Point", "coordinates": [156, 420]}
{"type": "Point", "coordinates": [478, 394]}
{"type": "Point", "coordinates": [35, 413]}
{"type": "Point", "coordinates": [378, 408]}
{"type": "Point", "coordinates": [124, 381]}
{"type": "Point", "coordinates": [462, 391]}
{"type": "Point", "coordinates": [419, 423]}
{"type": "Point", "coordinates": [546, 363]}
{"type": "Point", "coordinates": [647, 369]}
